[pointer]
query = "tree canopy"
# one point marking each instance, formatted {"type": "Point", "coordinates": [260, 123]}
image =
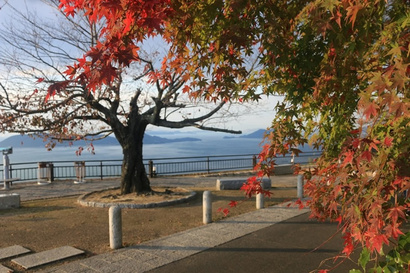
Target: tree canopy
{"type": "Point", "coordinates": [343, 67]}
{"type": "Point", "coordinates": [70, 79]}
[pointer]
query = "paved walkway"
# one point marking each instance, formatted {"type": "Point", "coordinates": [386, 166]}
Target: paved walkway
{"type": "Point", "coordinates": [274, 239]}
{"type": "Point", "coordinates": [32, 191]}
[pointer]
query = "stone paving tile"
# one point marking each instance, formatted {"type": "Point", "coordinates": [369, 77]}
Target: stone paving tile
{"type": "Point", "coordinates": [139, 255]}
{"type": "Point", "coordinates": [134, 268]}
{"type": "Point", "coordinates": [112, 257]}
{"type": "Point", "coordinates": [69, 268]}
{"type": "Point", "coordinates": [127, 265]}
{"type": "Point", "coordinates": [98, 265]}
{"type": "Point", "coordinates": [208, 238]}
{"type": "Point", "coordinates": [48, 256]}
{"type": "Point", "coordinates": [4, 269]}
{"type": "Point", "coordinates": [168, 252]}
{"type": "Point", "coordinates": [149, 259]}
{"type": "Point", "coordinates": [12, 251]}
{"type": "Point", "coordinates": [199, 239]}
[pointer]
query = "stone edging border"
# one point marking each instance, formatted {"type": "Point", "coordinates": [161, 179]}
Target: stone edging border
{"type": "Point", "coordinates": [82, 200]}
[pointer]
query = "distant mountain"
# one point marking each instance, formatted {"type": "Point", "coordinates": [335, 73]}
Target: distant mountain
{"type": "Point", "coordinates": [26, 141]}
{"type": "Point", "coordinates": [257, 134]}
{"type": "Point", "coordinates": [148, 139]}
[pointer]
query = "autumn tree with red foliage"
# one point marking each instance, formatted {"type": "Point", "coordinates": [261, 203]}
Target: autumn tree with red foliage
{"type": "Point", "coordinates": [91, 73]}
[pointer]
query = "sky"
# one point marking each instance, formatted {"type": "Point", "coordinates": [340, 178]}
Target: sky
{"type": "Point", "coordinates": [257, 116]}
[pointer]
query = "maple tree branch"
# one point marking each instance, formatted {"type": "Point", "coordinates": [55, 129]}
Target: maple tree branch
{"type": "Point", "coordinates": [208, 115]}
{"type": "Point", "coordinates": [187, 123]}
{"type": "Point", "coordinates": [110, 114]}
{"type": "Point", "coordinates": [214, 129]}
{"type": "Point", "coordinates": [102, 134]}
{"type": "Point", "coordinates": [14, 107]}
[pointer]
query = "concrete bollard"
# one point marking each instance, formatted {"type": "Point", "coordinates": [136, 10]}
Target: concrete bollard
{"type": "Point", "coordinates": [115, 223]}
{"type": "Point", "coordinates": [260, 201]}
{"type": "Point", "coordinates": [207, 207]}
{"type": "Point", "coordinates": [300, 186]}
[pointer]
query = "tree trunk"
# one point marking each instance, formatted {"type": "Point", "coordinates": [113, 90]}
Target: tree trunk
{"type": "Point", "coordinates": [133, 175]}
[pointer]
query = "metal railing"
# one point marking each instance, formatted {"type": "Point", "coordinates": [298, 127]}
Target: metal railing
{"type": "Point", "coordinates": [32, 171]}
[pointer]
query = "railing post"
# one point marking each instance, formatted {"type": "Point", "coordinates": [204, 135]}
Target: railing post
{"type": "Point", "coordinates": [207, 164]}
{"type": "Point", "coordinates": [11, 170]}
{"type": "Point", "coordinates": [151, 168]}
{"type": "Point", "coordinates": [101, 170]}
{"type": "Point", "coordinates": [51, 167]}
{"type": "Point", "coordinates": [254, 161]}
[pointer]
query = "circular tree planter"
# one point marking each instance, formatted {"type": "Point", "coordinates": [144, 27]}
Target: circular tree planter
{"type": "Point", "coordinates": [109, 197]}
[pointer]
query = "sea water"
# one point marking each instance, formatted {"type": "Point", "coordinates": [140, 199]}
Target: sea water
{"type": "Point", "coordinates": [210, 146]}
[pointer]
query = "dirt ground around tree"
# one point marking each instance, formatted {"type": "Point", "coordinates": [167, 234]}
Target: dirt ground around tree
{"type": "Point", "coordinates": [50, 223]}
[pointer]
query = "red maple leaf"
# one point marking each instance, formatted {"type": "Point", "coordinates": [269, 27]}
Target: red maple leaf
{"type": "Point", "coordinates": [393, 230]}
{"type": "Point", "coordinates": [367, 155]}
{"type": "Point", "coordinates": [108, 75]}
{"type": "Point", "coordinates": [377, 242]}
{"type": "Point", "coordinates": [95, 54]}
{"type": "Point", "coordinates": [186, 89]}
{"type": "Point", "coordinates": [153, 23]}
{"type": "Point", "coordinates": [388, 141]}
{"type": "Point", "coordinates": [349, 247]}
{"type": "Point", "coordinates": [396, 212]}
{"type": "Point", "coordinates": [300, 203]}
{"type": "Point", "coordinates": [128, 21]}
{"type": "Point", "coordinates": [348, 158]}
{"type": "Point", "coordinates": [233, 204]}
{"type": "Point", "coordinates": [352, 11]}
{"type": "Point", "coordinates": [55, 88]}
{"type": "Point", "coordinates": [371, 110]}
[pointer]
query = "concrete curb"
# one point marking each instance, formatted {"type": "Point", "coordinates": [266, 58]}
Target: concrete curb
{"type": "Point", "coordinates": [82, 200]}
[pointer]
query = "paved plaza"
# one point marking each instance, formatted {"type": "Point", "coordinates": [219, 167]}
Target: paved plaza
{"type": "Point", "coordinates": [280, 238]}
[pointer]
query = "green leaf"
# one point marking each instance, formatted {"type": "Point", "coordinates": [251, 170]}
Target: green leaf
{"type": "Point", "coordinates": [392, 268]}
{"type": "Point", "coordinates": [378, 269]}
{"type": "Point", "coordinates": [364, 258]}
{"type": "Point", "coordinates": [355, 271]}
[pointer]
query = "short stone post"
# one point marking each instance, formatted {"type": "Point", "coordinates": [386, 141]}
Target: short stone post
{"type": "Point", "coordinates": [115, 224]}
{"type": "Point", "coordinates": [260, 198]}
{"type": "Point", "coordinates": [207, 207]}
{"type": "Point", "coordinates": [300, 186]}
{"type": "Point", "coordinates": [260, 201]}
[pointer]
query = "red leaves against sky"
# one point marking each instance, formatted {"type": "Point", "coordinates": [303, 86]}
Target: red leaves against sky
{"type": "Point", "coordinates": [126, 23]}
{"type": "Point", "coordinates": [56, 87]}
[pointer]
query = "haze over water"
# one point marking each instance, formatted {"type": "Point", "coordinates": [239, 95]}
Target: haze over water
{"type": "Point", "coordinates": [208, 146]}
